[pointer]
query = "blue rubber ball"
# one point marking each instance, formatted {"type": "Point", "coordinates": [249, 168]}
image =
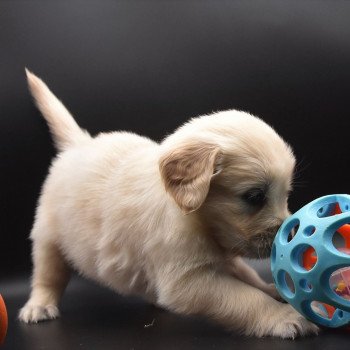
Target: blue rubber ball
{"type": "Point", "coordinates": [310, 260]}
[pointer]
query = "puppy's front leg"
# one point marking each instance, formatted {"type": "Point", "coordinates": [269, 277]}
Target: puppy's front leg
{"type": "Point", "coordinates": [233, 303]}
{"type": "Point", "coordinates": [245, 273]}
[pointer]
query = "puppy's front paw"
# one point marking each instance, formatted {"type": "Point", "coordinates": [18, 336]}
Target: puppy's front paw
{"type": "Point", "coordinates": [31, 313]}
{"type": "Point", "coordinates": [290, 324]}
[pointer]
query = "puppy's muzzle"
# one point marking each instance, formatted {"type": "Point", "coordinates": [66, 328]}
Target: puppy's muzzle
{"type": "Point", "coordinates": [261, 243]}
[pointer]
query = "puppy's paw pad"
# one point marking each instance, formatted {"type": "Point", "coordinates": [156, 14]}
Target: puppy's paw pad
{"type": "Point", "coordinates": [34, 313]}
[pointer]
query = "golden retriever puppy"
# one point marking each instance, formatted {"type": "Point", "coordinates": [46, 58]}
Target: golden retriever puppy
{"type": "Point", "coordinates": [168, 222]}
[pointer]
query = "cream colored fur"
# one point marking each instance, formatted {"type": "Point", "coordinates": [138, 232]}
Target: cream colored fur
{"type": "Point", "coordinates": [164, 221]}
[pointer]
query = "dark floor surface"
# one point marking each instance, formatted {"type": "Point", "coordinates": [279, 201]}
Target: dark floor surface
{"type": "Point", "coordinates": [96, 318]}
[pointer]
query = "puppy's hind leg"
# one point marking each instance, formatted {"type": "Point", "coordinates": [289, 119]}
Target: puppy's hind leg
{"type": "Point", "coordinates": [50, 277]}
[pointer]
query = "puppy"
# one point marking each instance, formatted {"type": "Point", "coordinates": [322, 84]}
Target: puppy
{"type": "Point", "coordinates": [168, 222]}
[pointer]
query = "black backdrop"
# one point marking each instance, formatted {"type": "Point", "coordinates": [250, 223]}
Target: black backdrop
{"type": "Point", "coordinates": [147, 66]}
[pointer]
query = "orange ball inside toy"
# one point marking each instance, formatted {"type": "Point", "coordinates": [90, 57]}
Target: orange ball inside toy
{"type": "Point", "coordinates": [3, 320]}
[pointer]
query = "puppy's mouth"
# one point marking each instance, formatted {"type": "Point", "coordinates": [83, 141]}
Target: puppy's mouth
{"type": "Point", "coordinates": [253, 246]}
{"type": "Point", "coordinates": [259, 246]}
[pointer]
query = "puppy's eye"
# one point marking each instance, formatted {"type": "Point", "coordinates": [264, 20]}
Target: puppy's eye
{"type": "Point", "coordinates": [255, 197]}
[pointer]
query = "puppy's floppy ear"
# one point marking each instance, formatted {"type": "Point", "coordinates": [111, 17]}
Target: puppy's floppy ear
{"type": "Point", "coordinates": [187, 170]}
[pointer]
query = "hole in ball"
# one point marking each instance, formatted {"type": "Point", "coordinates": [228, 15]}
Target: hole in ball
{"type": "Point", "coordinates": [309, 230]}
{"type": "Point", "coordinates": [286, 283]}
{"type": "Point", "coordinates": [303, 257]}
{"type": "Point", "coordinates": [330, 209]}
{"type": "Point", "coordinates": [305, 285]}
{"type": "Point", "coordinates": [290, 230]}
{"type": "Point", "coordinates": [340, 282]}
{"type": "Point", "coordinates": [341, 239]}
{"type": "Point", "coordinates": [322, 309]}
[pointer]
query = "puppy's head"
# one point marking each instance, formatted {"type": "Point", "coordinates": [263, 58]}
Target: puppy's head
{"type": "Point", "coordinates": [234, 172]}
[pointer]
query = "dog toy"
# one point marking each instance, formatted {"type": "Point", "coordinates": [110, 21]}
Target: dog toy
{"type": "Point", "coordinates": [310, 260]}
{"type": "Point", "coordinates": [3, 320]}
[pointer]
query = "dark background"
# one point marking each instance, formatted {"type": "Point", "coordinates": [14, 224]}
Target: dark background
{"type": "Point", "coordinates": [147, 66]}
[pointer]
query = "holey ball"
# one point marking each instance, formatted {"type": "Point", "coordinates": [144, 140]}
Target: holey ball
{"type": "Point", "coordinates": [310, 260]}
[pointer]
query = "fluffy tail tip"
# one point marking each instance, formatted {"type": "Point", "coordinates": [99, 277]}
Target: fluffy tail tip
{"type": "Point", "coordinates": [29, 73]}
{"type": "Point", "coordinates": [32, 79]}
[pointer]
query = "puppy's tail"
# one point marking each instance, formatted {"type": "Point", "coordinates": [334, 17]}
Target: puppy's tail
{"type": "Point", "coordinates": [65, 131]}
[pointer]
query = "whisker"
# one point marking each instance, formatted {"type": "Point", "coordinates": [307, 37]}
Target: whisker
{"type": "Point", "coordinates": [300, 167]}
{"type": "Point", "coordinates": [300, 184]}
